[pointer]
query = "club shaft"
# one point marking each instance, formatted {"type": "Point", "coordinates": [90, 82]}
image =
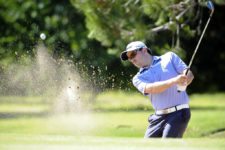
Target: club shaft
{"type": "Point", "coordinates": [196, 49]}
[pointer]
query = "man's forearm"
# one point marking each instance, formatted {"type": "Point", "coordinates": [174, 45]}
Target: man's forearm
{"type": "Point", "coordinates": [160, 86]}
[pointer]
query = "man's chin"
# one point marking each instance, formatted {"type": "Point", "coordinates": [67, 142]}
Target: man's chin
{"type": "Point", "coordinates": [138, 66]}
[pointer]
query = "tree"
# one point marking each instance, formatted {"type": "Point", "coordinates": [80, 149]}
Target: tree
{"type": "Point", "coordinates": [166, 25]}
{"type": "Point", "coordinates": [22, 22]}
{"type": "Point", "coordinates": [114, 23]}
{"type": "Point", "coordinates": [93, 33]}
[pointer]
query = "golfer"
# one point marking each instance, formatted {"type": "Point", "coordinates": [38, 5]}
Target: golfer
{"type": "Point", "coordinates": [158, 78]}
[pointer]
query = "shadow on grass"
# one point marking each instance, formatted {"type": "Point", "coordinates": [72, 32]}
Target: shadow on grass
{"type": "Point", "coordinates": [214, 132]}
{"type": "Point", "coordinates": [12, 115]}
{"type": "Point", "coordinates": [134, 109]}
{"type": "Point", "coordinates": [207, 108]}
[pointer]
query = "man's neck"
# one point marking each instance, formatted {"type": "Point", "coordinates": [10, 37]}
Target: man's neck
{"type": "Point", "coordinates": [149, 61]}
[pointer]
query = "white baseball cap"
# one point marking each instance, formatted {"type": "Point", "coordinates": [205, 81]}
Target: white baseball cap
{"type": "Point", "coordinates": [131, 47]}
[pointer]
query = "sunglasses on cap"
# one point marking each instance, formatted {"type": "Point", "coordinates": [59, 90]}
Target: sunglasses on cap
{"type": "Point", "coordinates": [132, 54]}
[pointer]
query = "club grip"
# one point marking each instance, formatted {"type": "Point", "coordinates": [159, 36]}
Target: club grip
{"type": "Point", "coordinates": [187, 71]}
{"type": "Point", "coordinates": [182, 88]}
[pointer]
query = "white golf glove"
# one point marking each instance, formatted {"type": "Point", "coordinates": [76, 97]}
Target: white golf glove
{"type": "Point", "coordinates": [181, 87]}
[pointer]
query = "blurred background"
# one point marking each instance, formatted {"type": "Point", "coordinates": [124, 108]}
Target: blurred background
{"type": "Point", "coordinates": [60, 57]}
{"type": "Point", "coordinates": [94, 33]}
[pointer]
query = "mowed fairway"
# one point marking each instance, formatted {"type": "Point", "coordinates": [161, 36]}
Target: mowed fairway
{"type": "Point", "coordinates": [52, 142]}
{"type": "Point", "coordinates": [29, 125]}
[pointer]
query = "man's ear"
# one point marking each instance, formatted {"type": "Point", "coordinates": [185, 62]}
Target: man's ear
{"type": "Point", "coordinates": [145, 50]}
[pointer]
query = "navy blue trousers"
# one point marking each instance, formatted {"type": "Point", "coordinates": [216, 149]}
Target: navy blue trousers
{"type": "Point", "coordinates": [171, 125]}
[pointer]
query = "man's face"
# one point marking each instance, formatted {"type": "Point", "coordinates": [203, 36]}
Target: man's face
{"type": "Point", "coordinates": [136, 58]}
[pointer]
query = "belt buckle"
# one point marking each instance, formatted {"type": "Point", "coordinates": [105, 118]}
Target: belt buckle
{"type": "Point", "coordinates": [172, 109]}
{"type": "Point", "coordinates": [166, 111]}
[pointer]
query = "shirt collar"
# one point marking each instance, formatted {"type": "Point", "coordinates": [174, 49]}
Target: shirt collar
{"type": "Point", "coordinates": [155, 59]}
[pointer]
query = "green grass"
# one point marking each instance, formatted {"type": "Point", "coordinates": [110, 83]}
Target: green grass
{"type": "Point", "coordinates": [23, 108]}
{"type": "Point", "coordinates": [117, 120]}
{"type": "Point", "coordinates": [208, 101]}
{"type": "Point", "coordinates": [24, 100]}
{"type": "Point", "coordinates": [122, 100]}
{"type": "Point", "coordinates": [49, 142]}
{"type": "Point", "coordinates": [114, 124]}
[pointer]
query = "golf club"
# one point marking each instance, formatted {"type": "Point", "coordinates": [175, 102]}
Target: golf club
{"type": "Point", "coordinates": [211, 7]}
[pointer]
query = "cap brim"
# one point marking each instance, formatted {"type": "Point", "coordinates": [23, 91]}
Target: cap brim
{"type": "Point", "coordinates": [123, 56]}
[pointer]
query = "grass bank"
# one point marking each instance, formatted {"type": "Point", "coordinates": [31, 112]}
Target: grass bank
{"type": "Point", "coordinates": [50, 142]}
{"type": "Point", "coordinates": [113, 114]}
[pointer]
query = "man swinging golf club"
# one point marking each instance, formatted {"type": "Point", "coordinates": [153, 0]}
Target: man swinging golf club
{"type": "Point", "coordinates": [164, 80]}
{"type": "Point", "coordinates": [158, 78]}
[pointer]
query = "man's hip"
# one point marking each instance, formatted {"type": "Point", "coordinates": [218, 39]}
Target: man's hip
{"type": "Point", "coordinates": [168, 125]}
{"type": "Point", "coordinates": [171, 109]}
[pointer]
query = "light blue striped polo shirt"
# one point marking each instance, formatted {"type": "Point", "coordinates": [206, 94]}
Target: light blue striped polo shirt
{"type": "Point", "coordinates": [162, 68]}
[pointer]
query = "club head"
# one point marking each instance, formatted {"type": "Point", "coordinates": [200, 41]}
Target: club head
{"type": "Point", "coordinates": [210, 5]}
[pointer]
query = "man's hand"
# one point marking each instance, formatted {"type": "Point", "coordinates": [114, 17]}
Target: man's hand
{"type": "Point", "coordinates": [181, 80]}
{"type": "Point", "coordinates": [190, 76]}
{"type": "Point", "coordinates": [184, 80]}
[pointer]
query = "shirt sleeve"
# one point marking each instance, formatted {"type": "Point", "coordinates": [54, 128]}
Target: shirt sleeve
{"type": "Point", "coordinates": [178, 63]}
{"type": "Point", "coordinates": [139, 84]}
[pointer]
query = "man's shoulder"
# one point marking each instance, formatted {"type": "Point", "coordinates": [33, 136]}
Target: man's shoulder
{"type": "Point", "coordinates": [135, 78]}
{"type": "Point", "coordinates": [169, 55]}
{"type": "Point", "coordinates": [137, 75]}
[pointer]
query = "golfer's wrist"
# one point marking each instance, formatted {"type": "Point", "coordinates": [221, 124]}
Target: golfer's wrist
{"type": "Point", "coordinates": [175, 80]}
